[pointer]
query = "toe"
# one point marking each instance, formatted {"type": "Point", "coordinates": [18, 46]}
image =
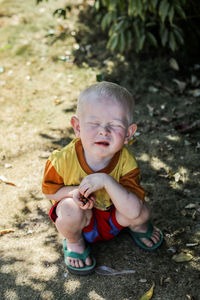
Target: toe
{"type": "Point", "coordinates": [88, 261]}
{"type": "Point", "coordinates": [147, 242]}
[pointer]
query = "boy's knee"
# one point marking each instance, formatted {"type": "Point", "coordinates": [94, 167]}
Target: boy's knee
{"type": "Point", "coordinates": [66, 208]}
{"type": "Point", "coordinates": [69, 214]}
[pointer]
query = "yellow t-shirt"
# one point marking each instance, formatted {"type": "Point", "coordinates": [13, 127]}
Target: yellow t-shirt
{"type": "Point", "coordinates": [67, 167]}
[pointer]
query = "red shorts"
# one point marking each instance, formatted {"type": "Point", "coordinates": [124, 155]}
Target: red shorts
{"type": "Point", "coordinates": [103, 224]}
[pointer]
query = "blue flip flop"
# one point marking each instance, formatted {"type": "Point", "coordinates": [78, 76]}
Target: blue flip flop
{"type": "Point", "coordinates": [86, 270]}
{"type": "Point", "coordinates": [138, 235]}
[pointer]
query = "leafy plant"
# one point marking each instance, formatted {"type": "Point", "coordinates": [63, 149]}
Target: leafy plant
{"type": "Point", "coordinates": [139, 23]}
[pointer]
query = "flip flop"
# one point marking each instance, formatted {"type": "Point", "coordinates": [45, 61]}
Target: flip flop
{"type": "Point", "coordinates": [79, 271]}
{"type": "Point", "coordinates": [138, 235]}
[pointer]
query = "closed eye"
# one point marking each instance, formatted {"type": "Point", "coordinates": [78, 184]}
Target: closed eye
{"type": "Point", "coordinates": [93, 123]}
{"type": "Point", "coordinates": [117, 125]}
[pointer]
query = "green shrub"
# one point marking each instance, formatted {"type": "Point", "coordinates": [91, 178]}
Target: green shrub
{"type": "Point", "coordinates": [141, 23]}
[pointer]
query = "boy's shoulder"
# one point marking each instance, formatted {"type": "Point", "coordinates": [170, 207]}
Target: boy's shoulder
{"type": "Point", "coordinates": [67, 151]}
{"type": "Point", "coordinates": [127, 159]}
{"type": "Point", "coordinates": [127, 152]}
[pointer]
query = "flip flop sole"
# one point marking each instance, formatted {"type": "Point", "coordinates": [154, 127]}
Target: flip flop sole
{"type": "Point", "coordinates": [82, 272]}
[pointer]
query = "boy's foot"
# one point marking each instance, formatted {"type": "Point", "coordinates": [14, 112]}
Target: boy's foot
{"type": "Point", "coordinates": [78, 247]}
{"type": "Point", "coordinates": [146, 236]}
{"type": "Point", "coordinates": [78, 258]}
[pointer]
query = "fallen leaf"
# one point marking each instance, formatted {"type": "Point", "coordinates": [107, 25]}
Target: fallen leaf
{"type": "Point", "coordinates": [194, 215]}
{"type": "Point", "coordinates": [5, 180]}
{"type": "Point", "coordinates": [168, 280]}
{"type": "Point", "coordinates": [153, 89]}
{"type": "Point", "coordinates": [181, 84]}
{"type": "Point", "coordinates": [58, 101]}
{"type": "Point", "coordinates": [177, 177]}
{"type": "Point", "coordinates": [180, 230]}
{"type": "Point", "coordinates": [148, 295]}
{"type": "Point", "coordinates": [190, 205]}
{"type": "Point", "coordinates": [142, 280]}
{"type": "Point", "coordinates": [173, 64]}
{"type": "Point", "coordinates": [173, 250]}
{"type": "Point", "coordinates": [192, 244]}
{"type": "Point", "coordinates": [5, 231]}
{"type": "Point", "coordinates": [165, 120]}
{"type": "Point", "coordinates": [182, 257]}
{"type": "Point", "coordinates": [190, 297]}
{"type": "Point", "coordinates": [151, 110]}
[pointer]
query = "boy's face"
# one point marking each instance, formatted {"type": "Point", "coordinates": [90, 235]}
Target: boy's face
{"type": "Point", "coordinates": [103, 127]}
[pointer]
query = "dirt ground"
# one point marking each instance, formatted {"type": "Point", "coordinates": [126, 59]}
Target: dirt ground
{"type": "Point", "coordinates": [44, 63]}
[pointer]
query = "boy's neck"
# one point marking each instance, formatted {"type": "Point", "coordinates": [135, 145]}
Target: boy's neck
{"type": "Point", "coordinates": [96, 164]}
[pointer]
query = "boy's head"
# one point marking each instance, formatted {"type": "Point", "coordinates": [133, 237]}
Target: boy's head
{"type": "Point", "coordinates": [110, 91]}
{"type": "Point", "coordinates": [104, 119]}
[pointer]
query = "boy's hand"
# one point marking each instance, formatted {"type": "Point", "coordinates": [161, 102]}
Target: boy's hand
{"type": "Point", "coordinates": [78, 198]}
{"type": "Point", "coordinates": [92, 183]}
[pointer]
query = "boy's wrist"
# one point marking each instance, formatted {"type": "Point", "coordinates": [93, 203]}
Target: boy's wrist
{"type": "Point", "coordinates": [108, 180]}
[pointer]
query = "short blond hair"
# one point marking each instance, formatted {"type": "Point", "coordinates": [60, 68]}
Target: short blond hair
{"type": "Point", "coordinates": [108, 90]}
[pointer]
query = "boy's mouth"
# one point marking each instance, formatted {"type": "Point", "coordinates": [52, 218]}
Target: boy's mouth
{"type": "Point", "coordinates": [103, 143]}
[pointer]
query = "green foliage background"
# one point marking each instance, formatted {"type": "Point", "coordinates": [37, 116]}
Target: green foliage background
{"type": "Point", "coordinates": [144, 23]}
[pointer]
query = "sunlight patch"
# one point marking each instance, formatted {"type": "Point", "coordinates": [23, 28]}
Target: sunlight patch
{"type": "Point", "coordinates": [157, 164]}
{"type": "Point", "coordinates": [71, 286]}
{"type": "Point", "coordinates": [144, 157]}
{"type": "Point", "coordinates": [47, 295]}
{"type": "Point", "coordinates": [10, 295]}
{"type": "Point", "coordinates": [94, 296]}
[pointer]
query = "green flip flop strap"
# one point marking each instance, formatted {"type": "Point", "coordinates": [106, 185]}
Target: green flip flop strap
{"type": "Point", "coordinates": [81, 256]}
{"type": "Point", "coordinates": [147, 234]}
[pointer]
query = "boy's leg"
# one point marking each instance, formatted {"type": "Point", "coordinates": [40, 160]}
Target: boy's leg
{"type": "Point", "coordinates": [140, 224]}
{"type": "Point", "coordinates": [70, 222]}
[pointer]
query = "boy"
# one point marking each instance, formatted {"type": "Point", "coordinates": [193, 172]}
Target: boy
{"type": "Point", "coordinates": [95, 179]}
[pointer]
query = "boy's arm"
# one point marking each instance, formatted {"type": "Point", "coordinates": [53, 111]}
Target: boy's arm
{"type": "Point", "coordinates": [64, 192]}
{"type": "Point", "coordinates": [125, 201]}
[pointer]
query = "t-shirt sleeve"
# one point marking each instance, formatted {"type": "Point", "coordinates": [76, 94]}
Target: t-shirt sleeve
{"type": "Point", "coordinates": [52, 181]}
{"type": "Point", "coordinates": [131, 182]}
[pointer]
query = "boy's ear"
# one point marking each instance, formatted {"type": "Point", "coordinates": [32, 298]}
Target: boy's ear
{"type": "Point", "coordinates": [131, 130]}
{"type": "Point", "coordinates": [76, 126]}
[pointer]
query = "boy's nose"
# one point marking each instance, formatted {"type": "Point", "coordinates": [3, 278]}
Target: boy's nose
{"type": "Point", "coordinates": [104, 130]}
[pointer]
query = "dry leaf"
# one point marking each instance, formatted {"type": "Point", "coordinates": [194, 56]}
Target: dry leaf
{"type": "Point", "coordinates": [153, 89]}
{"type": "Point", "coordinates": [5, 231]}
{"type": "Point", "coordinates": [190, 205]}
{"type": "Point", "coordinates": [58, 101]}
{"type": "Point", "coordinates": [173, 64]}
{"type": "Point", "coordinates": [177, 177]}
{"type": "Point", "coordinates": [151, 110]}
{"type": "Point", "coordinates": [182, 257]}
{"type": "Point", "coordinates": [192, 244]}
{"type": "Point", "coordinates": [148, 295]}
{"type": "Point", "coordinates": [181, 85]}
{"type": "Point", "coordinates": [5, 180]}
